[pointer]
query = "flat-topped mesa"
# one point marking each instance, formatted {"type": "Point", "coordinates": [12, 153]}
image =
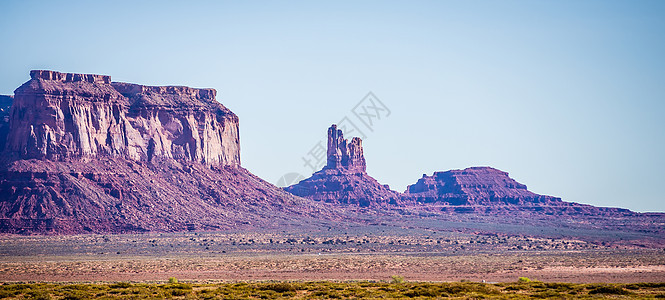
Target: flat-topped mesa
{"type": "Point", "coordinates": [344, 155]}
{"type": "Point", "coordinates": [60, 116]}
{"type": "Point", "coordinates": [475, 186]}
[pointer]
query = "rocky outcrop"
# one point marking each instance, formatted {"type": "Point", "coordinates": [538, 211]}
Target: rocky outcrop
{"type": "Point", "coordinates": [343, 155]}
{"type": "Point", "coordinates": [5, 105]}
{"type": "Point", "coordinates": [474, 186]}
{"type": "Point", "coordinates": [344, 179]}
{"type": "Point", "coordinates": [84, 154]}
{"type": "Point", "coordinates": [60, 116]}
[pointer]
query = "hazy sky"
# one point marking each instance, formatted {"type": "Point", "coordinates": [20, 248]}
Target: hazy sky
{"type": "Point", "coordinates": [566, 96]}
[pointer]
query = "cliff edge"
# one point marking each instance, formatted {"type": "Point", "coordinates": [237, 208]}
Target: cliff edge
{"type": "Point", "coordinates": [59, 116]}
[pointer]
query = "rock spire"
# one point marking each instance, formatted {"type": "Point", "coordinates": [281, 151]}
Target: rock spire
{"type": "Point", "coordinates": [344, 155]}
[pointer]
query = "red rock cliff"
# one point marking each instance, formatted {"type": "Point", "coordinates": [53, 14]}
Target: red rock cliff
{"type": "Point", "coordinates": [345, 155]}
{"type": "Point", "coordinates": [59, 116]}
{"type": "Point", "coordinates": [474, 186]}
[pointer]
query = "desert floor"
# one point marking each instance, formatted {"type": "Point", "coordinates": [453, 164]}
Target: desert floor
{"type": "Point", "coordinates": [231, 257]}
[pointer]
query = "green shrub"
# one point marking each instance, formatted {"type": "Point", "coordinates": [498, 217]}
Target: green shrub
{"type": "Point", "coordinates": [39, 295]}
{"type": "Point", "coordinates": [177, 292]}
{"type": "Point", "coordinates": [75, 296]}
{"type": "Point", "coordinates": [120, 285]}
{"type": "Point", "coordinates": [5, 294]}
{"type": "Point", "coordinates": [173, 280]}
{"type": "Point", "coordinates": [397, 279]}
{"type": "Point", "coordinates": [560, 286]}
{"type": "Point", "coordinates": [646, 285]}
{"type": "Point", "coordinates": [611, 290]}
{"type": "Point", "coordinates": [422, 292]}
{"type": "Point", "coordinates": [515, 288]}
{"type": "Point", "coordinates": [280, 287]}
{"type": "Point", "coordinates": [179, 286]}
{"type": "Point", "coordinates": [457, 288]}
{"type": "Point", "coordinates": [547, 295]}
{"type": "Point", "coordinates": [523, 280]}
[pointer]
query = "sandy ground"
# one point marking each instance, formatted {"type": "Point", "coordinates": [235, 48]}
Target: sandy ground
{"type": "Point", "coordinates": [624, 267]}
{"type": "Point", "coordinates": [415, 255]}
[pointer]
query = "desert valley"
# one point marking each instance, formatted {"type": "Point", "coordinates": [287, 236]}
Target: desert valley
{"type": "Point", "coordinates": [117, 182]}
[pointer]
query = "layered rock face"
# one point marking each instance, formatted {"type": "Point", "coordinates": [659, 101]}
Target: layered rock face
{"type": "Point", "coordinates": [344, 179]}
{"type": "Point", "coordinates": [474, 186]}
{"type": "Point", "coordinates": [59, 116]}
{"type": "Point", "coordinates": [84, 154]}
{"type": "Point", "coordinates": [343, 155]}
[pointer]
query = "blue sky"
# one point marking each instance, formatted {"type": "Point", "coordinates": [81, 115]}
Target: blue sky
{"type": "Point", "coordinates": [566, 96]}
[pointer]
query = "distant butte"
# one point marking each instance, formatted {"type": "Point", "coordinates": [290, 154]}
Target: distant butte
{"type": "Point", "coordinates": [344, 155]}
{"type": "Point", "coordinates": [474, 186]}
{"type": "Point", "coordinates": [344, 179]}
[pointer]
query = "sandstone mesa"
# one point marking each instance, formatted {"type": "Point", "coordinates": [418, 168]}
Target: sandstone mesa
{"type": "Point", "coordinates": [81, 153]}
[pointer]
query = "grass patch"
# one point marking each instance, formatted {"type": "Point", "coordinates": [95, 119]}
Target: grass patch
{"type": "Point", "coordinates": [330, 290]}
{"type": "Point", "coordinates": [120, 285]}
{"type": "Point", "coordinates": [610, 290]}
{"type": "Point", "coordinates": [397, 279]}
{"type": "Point", "coordinates": [279, 287]}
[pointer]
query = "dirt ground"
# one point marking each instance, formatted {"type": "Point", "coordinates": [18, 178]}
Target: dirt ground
{"type": "Point", "coordinates": [310, 257]}
{"type": "Point", "coordinates": [559, 267]}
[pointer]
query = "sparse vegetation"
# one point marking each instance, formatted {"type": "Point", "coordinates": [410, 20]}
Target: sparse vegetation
{"type": "Point", "coordinates": [397, 279]}
{"type": "Point", "coordinates": [415, 254]}
{"type": "Point", "coordinates": [329, 290]}
{"type": "Point", "coordinates": [610, 290]}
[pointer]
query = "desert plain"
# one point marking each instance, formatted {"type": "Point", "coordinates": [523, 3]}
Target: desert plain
{"type": "Point", "coordinates": [414, 254]}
